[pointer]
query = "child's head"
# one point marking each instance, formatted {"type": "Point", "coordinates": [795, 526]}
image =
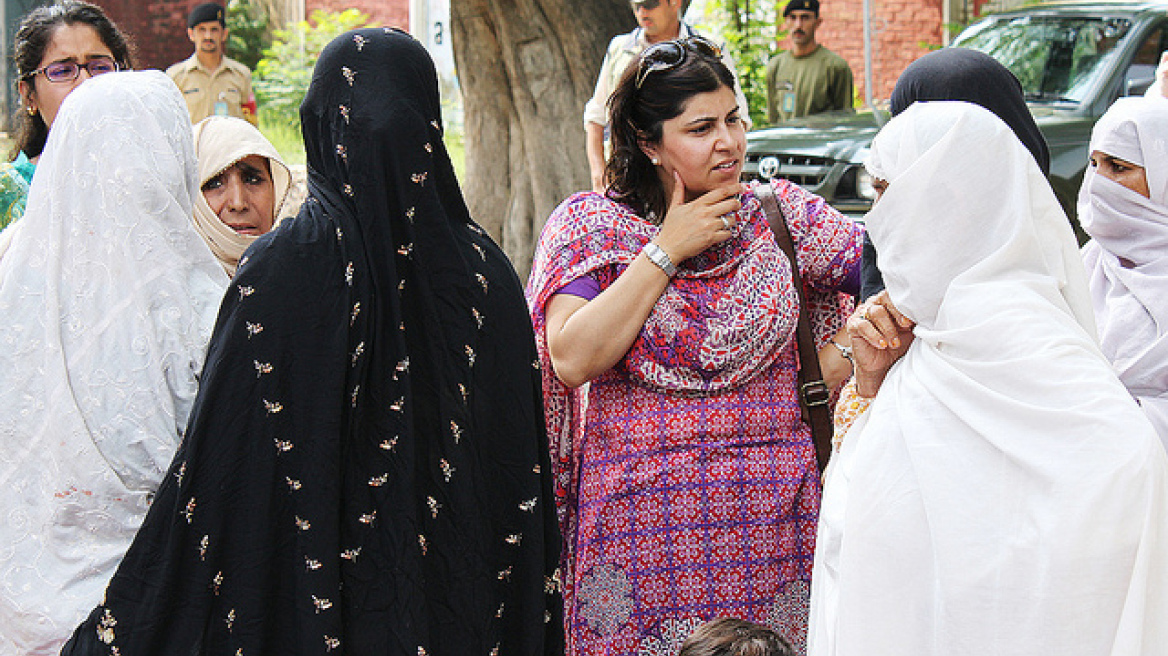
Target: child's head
{"type": "Point", "coordinates": [728, 636]}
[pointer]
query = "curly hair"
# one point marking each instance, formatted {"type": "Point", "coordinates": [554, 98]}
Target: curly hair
{"type": "Point", "coordinates": [636, 115]}
{"type": "Point", "coordinates": [33, 38]}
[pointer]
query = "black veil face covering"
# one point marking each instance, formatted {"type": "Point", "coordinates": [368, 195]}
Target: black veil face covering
{"type": "Point", "coordinates": [366, 468]}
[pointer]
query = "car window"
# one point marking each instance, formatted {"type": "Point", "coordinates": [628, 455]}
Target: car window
{"type": "Point", "coordinates": [1142, 71]}
{"type": "Point", "coordinates": [1057, 59]}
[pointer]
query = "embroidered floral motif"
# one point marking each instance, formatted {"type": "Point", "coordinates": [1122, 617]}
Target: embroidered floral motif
{"type": "Point", "coordinates": [482, 281]}
{"type": "Point", "coordinates": [402, 367]}
{"type": "Point", "coordinates": [356, 311]}
{"type": "Point", "coordinates": [388, 445]}
{"type": "Point", "coordinates": [349, 274]}
{"type": "Point", "coordinates": [245, 291]}
{"type": "Point", "coordinates": [418, 178]}
{"type": "Point", "coordinates": [273, 407]}
{"type": "Point", "coordinates": [605, 598]}
{"type": "Point", "coordinates": [344, 109]}
{"type": "Point", "coordinates": [283, 446]}
{"type": "Point", "coordinates": [360, 41]}
{"type": "Point", "coordinates": [216, 583]}
{"type": "Point", "coordinates": [455, 431]}
{"type": "Point", "coordinates": [262, 368]}
{"type": "Point", "coordinates": [434, 505]}
{"type": "Point", "coordinates": [253, 329]}
{"type": "Point", "coordinates": [423, 544]}
{"type": "Point", "coordinates": [428, 147]}
{"type": "Point", "coordinates": [189, 511]}
{"type": "Point", "coordinates": [331, 643]}
{"type": "Point", "coordinates": [311, 564]}
{"type": "Point", "coordinates": [230, 619]}
{"type": "Point", "coordinates": [514, 539]}
{"type": "Point", "coordinates": [349, 74]}
{"type": "Point", "coordinates": [203, 544]}
{"type": "Point", "coordinates": [357, 353]}
{"type": "Point", "coordinates": [303, 524]}
{"type": "Point", "coordinates": [470, 355]}
{"type": "Point", "coordinates": [478, 317]}
{"type": "Point", "coordinates": [667, 638]}
{"type": "Point", "coordinates": [397, 405]}
{"type": "Point", "coordinates": [347, 189]}
{"type": "Point", "coordinates": [405, 249]}
{"type": "Point", "coordinates": [105, 627]}
{"type": "Point", "coordinates": [410, 212]}
{"type": "Point", "coordinates": [368, 518]}
{"type": "Point", "coordinates": [529, 505]}
{"type": "Point", "coordinates": [505, 575]}
{"type": "Point", "coordinates": [344, 154]}
{"type": "Point", "coordinates": [378, 481]}
{"type": "Point", "coordinates": [480, 251]}
{"type": "Point", "coordinates": [321, 604]}
{"type": "Point", "coordinates": [447, 469]}
{"type": "Point", "coordinates": [293, 484]}
{"type": "Point", "coordinates": [340, 235]}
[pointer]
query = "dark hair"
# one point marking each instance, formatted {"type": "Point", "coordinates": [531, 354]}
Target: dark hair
{"type": "Point", "coordinates": [636, 115]}
{"type": "Point", "coordinates": [729, 636]}
{"type": "Point", "coordinates": [32, 40]}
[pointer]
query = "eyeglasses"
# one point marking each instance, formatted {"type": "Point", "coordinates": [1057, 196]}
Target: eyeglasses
{"type": "Point", "coordinates": [644, 4]}
{"type": "Point", "coordinates": [671, 54]}
{"type": "Point", "coordinates": [68, 71]}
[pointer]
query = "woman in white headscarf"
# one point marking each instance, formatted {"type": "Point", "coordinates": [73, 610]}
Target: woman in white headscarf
{"type": "Point", "coordinates": [1123, 205]}
{"type": "Point", "coordinates": [107, 301]}
{"type": "Point", "coordinates": [1003, 494]}
{"type": "Point", "coordinates": [244, 183]}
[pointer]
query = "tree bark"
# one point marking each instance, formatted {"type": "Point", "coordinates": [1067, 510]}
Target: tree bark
{"type": "Point", "coordinates": [526, 68]}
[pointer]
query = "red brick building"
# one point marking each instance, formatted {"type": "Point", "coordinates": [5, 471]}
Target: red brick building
{"type": "Point", "coordinates": [902, 31]}
{"type": "Point", "coordinates": [158, 27]}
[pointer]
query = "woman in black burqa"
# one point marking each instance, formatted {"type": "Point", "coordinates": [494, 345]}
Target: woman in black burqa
{"type": "Point", "coordinates": [365, 470]}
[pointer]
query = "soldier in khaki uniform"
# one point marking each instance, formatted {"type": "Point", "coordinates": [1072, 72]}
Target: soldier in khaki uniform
{"type": "Point", "coordinates": [212, 83]}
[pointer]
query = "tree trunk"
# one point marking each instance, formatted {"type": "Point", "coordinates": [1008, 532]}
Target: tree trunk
{"type": "Point", "coordinates": [526, 68]}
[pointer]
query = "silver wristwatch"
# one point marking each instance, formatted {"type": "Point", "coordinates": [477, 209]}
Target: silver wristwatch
{"type": "Point", "coordinates": [660, 258]}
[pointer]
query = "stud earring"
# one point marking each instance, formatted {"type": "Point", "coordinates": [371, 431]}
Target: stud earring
{"type": "Point", "coordinates": [32, 111]}
{"type": "Point", "coordinates": [655, 161]}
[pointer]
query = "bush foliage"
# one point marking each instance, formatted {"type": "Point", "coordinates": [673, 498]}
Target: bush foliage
{"type": "Point", "coordinates": [281, 78]}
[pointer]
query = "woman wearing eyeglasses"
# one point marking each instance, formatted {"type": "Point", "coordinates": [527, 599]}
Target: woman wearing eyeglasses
{"type": "Point", "coordinates": [665, 316]}
{"type": "Point", "coordinates": [56, 48]}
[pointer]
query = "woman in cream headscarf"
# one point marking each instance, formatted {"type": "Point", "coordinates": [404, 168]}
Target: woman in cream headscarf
{"type": "Point", "coordinates": [1003, 494]}
{"type": "Point", "coordinates": [244, 184]}
{"type": "Point", "coordinates": [1123, 205]}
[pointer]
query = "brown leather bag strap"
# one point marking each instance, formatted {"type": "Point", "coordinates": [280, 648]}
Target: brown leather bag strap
{"type": "Point", "coordinates": [813, 392]}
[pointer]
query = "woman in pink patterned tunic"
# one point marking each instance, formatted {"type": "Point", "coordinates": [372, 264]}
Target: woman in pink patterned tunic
{"type": "Point", "coordinates": [665, 316]}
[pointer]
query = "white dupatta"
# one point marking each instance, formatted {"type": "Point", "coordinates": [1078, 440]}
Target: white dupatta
{"type": "Point", "coordinates": [107, 301]}
{"type": "Point", "coordinates": [1127, 258]}
{"type": "Point", "coordinates": [1003, 495]}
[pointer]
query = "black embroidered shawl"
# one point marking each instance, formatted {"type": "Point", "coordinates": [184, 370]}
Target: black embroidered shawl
{"type": "Point", "coordinates": [366, 470]}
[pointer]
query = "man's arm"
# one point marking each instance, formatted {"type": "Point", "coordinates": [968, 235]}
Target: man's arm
{"type": "Point", "coordinates": [844, 93]}
{"type": "Point", "coordinates": [771, 111]}
{"type": "Point", "coordinates": [596, 117]}
{"type": "Point", "coordinates": [594, 142]}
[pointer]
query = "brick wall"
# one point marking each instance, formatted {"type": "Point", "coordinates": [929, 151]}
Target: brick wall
{"type": "Point", "coordinates": [900, 28]}
{"type": "Point", "coordinates": [159, 27]}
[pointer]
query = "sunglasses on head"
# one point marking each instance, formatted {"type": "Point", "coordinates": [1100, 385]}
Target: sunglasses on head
{"type": "Point", "coordinates": [645, 4]}
{"type": "Point", "coordinates": [668, 55]}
